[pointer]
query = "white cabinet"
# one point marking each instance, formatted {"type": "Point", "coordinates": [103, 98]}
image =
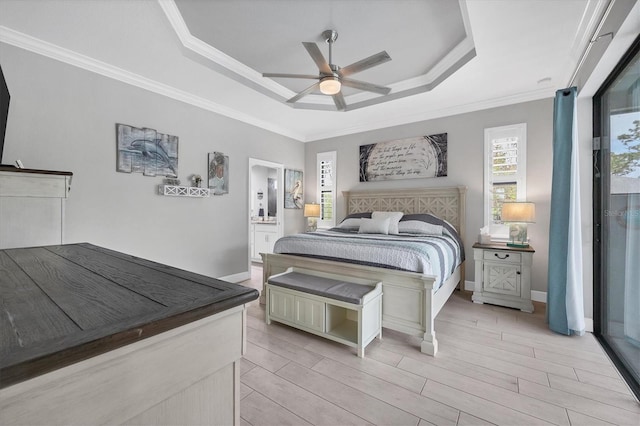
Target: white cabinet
{"type": "Point", "coordinates": [503, 275]}
{"type": "Point", "coordinates": [264, 237]}
{"type": "Point", "coordinates": [32, 207]}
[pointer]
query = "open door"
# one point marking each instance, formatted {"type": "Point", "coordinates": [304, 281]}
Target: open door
{"type": "Point", "coordinates": [266, 204]}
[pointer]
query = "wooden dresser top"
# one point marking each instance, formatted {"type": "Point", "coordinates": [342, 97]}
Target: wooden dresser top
{"type": "Point", "coordinates": [63, 304]}
{"type": "Point", "coordinates": [10, 169]}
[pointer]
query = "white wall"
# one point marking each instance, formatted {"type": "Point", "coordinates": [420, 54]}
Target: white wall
{"type": "Point", "coordinates": [465, 167]}
{"type": "Point", "coordinates": [63, 118]}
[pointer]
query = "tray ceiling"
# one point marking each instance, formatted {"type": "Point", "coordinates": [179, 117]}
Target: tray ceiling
{"type": "Point", "coordinates": [427, 40]}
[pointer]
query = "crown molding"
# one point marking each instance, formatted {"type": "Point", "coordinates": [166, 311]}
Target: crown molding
{"type": "Point", "coordinates": [72, 58]}
{"type": "Point", "coordinates": [75, 59]}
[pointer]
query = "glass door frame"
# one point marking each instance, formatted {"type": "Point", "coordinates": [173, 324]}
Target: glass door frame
{"type": "Point", "coordinates": [601, 179]}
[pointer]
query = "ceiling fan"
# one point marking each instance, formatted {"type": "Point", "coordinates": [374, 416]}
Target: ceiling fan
{"type": "Point", "coordinates": [331, 77]}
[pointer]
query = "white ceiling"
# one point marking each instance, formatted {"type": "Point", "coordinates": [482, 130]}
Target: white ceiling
{"type": "Point", "coordinates": [212, 53]}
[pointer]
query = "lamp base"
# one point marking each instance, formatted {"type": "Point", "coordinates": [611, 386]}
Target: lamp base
{"type": "Point", "coordinates": [518, 234]}
{"type": "Point", "coordinates": [312, 224]}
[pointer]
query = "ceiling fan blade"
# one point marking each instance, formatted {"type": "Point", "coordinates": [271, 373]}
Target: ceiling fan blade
{"type": "Point", "coordinates": [366, 63]}
{"type": "Point", "coordinates": [305, 92]}
{"type": "Point", "coordinates": [275, 74]}
{"type": "Point", "coordinates": [369, 87]}
{"type": "Point", "coordinates": [317, 57]}
{"type": "Point", "coordinates": [338, 99]}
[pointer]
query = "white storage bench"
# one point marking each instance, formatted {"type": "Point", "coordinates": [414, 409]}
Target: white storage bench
{"type": "Point", "coordinates": [345, 309]}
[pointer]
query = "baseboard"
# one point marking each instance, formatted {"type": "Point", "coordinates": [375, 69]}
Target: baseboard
{"type": "Point", "coordinates": [588, 325]}
{"type": "Point", "coordinates": [539, 296]}
{"type": "Point", "coordinates": [236, 278]}
{"type": "Point", "coordinates": [469, 285]}
{"type": "Point", "coordinates": [536, 296]}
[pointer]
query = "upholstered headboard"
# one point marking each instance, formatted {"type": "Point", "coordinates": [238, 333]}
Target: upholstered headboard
{"type": "Point", "coordinates": [446, 203]}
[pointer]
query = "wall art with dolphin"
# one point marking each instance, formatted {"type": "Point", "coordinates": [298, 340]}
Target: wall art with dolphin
{"type": "Point", "coordinates": [146, 151]}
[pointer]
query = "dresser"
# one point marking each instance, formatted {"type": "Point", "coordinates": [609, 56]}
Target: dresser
{"type": "Point", "coordinates": [32, 204]}
{"type": "Point", "coordinates": [503, 275]}
{"type": "Point", "coordinates": [94, 336]}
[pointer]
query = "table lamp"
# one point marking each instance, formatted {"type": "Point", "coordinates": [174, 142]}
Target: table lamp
{"type": "Point", "coordinates": [312, 213]}
{"type": "Point", "coordinates": [518, 214]}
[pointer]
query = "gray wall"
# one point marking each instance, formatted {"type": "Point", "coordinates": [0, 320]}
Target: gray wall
{"type": "Point", "coordinates": [465, 167]}
{"type": "Point", "coordinates": [63, 118]}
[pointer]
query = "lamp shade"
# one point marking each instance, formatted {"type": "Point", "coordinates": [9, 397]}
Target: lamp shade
{"type": "Point", "coordinates": [312, 210]}
{"type": "Point", "coordinates": [518, 211]}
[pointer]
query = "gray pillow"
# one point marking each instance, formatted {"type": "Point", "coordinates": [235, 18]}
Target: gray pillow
{"type": "Point", "coordinates": [374, 226]}
{"type": "Point", "coordinates": [419, 227]}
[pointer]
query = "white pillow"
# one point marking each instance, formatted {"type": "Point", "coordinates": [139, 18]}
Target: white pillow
{"type": "Point", "coordinates": [374, 226]}
{"type": "Point", "coordinates": [419, 227]}
{"type": "Point", "coordinates": [350, 223]}
{"type": "Point", "coordinates": [394, 218]}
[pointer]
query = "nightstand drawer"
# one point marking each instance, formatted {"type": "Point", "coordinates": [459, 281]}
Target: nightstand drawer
{"type": "Point", "coordinates": [502, 256]}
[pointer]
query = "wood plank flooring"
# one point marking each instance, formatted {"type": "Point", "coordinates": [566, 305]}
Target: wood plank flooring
{"type": "Point", "coordinates": [494, 366]}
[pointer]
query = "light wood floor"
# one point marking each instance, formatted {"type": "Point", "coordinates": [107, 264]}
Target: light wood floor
{"type": "Point", "coordinates": [494, 366]}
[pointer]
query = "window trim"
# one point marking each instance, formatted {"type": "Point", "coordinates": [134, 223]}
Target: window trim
{"type": "Point", "coordinates": [501, 232]}
{"type": "Point", "coordinates": [332, 157]}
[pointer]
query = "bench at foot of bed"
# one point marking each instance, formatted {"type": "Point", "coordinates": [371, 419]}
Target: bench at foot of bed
{"type": "Point", "coordinates": [344, 309]}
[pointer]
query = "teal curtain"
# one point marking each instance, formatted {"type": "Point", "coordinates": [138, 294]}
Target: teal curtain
{"type": "Point", "coordinates": [565, 312]}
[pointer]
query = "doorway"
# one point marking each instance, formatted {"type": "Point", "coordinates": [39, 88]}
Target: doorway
{"type": "Point", "coordinates": [616, 187]}
{"type": "Point", "coordinates": [266, 203]}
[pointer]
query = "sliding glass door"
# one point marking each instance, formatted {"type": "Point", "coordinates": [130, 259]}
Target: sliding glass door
{"type": "Point", "coordinates": [617, 216]}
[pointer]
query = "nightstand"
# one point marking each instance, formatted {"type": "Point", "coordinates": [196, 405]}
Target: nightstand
{"type": "Point", "coordinates": [503, 275]}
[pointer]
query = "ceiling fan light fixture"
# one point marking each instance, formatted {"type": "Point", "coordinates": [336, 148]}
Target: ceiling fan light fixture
{"type": "Point", "coordinates": [330, 85]}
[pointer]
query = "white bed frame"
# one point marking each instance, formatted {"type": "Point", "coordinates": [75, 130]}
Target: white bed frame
{"type": "Point", "coordinates": [409, 302]}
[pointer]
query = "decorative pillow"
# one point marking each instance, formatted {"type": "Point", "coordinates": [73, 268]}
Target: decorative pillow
{"type": "Point", "coordinates": [394, 218]}
{"type": "Point", "coordinates": [419, 227]}
{"type": "Point", "coordinates": [350, 223]}
{"type": "Point", "coordinates": [374, 226]}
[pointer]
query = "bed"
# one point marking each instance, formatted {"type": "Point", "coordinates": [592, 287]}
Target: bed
{"type": "Point", "coordinates": [410, 300]}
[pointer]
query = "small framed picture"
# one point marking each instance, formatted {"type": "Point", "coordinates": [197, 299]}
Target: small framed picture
{"type": "Point", "coordinates": [293, 193]}
{"type": "Point", "coordinates": [218, 175]}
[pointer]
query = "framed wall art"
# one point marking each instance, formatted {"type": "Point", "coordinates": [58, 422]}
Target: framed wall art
{"type": "Point", "coordinates": [218, 174]}
{"type": "Point", "coordinates": [418, 157]}
{"type": "Point", "coordinates": [293, 191]}
{"type": "Point", "coordinates": [146, 151]}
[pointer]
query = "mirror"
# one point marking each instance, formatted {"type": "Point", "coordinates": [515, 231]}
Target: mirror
{"type": "Point", "coordinates": [261, 177]}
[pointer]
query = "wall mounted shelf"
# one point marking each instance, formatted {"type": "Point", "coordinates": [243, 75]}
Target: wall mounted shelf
{"type": "Point", "coordinates": [183, 191]}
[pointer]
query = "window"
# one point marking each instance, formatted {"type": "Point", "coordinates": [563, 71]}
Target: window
{"type": "Point", "coordinates": [505, 167]}
{"type": "Point", "coordinates": [326, 172]}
